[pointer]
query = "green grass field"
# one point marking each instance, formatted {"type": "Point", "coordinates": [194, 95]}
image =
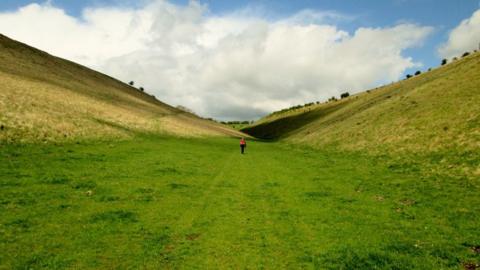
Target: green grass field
{"type": "Point", "coordinates": [168, 203]}
{"type": "Point", "coordinates": [385, 179]}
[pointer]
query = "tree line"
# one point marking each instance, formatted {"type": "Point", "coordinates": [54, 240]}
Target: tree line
{"type": "Point", "coordinates": [443, 62]}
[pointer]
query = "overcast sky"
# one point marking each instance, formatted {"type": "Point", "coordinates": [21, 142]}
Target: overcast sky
{"type": "Point", "coordinates": [239, 60]}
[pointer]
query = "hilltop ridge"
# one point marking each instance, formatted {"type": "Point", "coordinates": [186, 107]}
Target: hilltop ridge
{"type": "Point", "coordinates": [435, 115]}
{"type": "Point", "coordinates": [46, 98]}
{"type": "Point", "coordinates": [433, 110]}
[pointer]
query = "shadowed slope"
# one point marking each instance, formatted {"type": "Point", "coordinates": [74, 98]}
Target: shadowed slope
{"type": "Point", "coordinates": [433, 111]}
{"type": "Point", "coordinates": [284, 125]}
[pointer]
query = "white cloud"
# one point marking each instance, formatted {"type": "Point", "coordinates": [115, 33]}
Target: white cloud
{"type": "Point", "coordinates": [464, 37]}
{"type": "Point", "coordinates": [234, 66]}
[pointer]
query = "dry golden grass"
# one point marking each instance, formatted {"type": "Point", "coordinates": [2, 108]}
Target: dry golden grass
{"type": "Point", "coordinates": [45, 98]}
{"type": "Point", "coordinates": [432, 119]}
{"type": "Point", "coordinates": [436, 110]}
{"type": "Point", "coordinates": [433, 111]}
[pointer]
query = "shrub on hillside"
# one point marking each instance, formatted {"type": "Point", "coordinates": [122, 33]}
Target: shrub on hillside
{"type": "Point", "coordinates": [444, 62]}
{"type": "Point", "coordinates": [141, 89]}
{"type": "Point", "coordinates": [408, 76]}
{"type": "Point", "coordinates": [293, 108]}
{"type": "Point", "coordinates": [455, 59]}
{"type": "Point", "coordinates": [332, 99]}
{"type": "Point", "coordinates": [131, 83]}
{"type": "Point", "coordinates": [246, 122]}
{"type": "Point", "coordinates": [344, 95]}
{"type": "Point", "coordinates": [465, 54]}
{"type": "Point", "coordinates": [418, 73]}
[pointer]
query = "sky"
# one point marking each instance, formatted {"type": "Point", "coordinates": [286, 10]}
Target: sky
{"type": "Point", "coordinates": [240, 60]}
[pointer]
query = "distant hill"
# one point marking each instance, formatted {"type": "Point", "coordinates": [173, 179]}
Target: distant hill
{"type": "Point", "coordinates": [435, 111]}
{"type": "Point", "coordinates": [46, 98]}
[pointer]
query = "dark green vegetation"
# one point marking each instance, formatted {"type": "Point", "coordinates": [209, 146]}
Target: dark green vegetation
{"type": "Point", "coordinates": [162, 202]}
{"type": "Point", "coordinates": [237, 124]}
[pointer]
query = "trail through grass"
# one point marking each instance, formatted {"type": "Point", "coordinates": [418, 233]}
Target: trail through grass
{"type": "Point", "coordinates": [160, 202]}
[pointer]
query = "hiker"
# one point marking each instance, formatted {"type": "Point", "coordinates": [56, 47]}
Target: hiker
{"type": "Point", "coordinates": [243, 144]}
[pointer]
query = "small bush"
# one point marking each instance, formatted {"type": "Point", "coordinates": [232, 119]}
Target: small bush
{"type": "Point", "coordinates": [345, 95]}
{"type": "Point", "coordinates": [131, 83]}
{"type": "Point", "coordinates": [141, 89]}
{"type": "Point", "coordinates": [418, 73]}
{"type": "Point", "coordinates": [465, 54]}
{"type": "Point", "coordinates": [444, 62]}
{"type": "Point", "coordinates": [408, 76]}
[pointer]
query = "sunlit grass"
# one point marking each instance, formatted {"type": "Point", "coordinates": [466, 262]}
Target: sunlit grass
{"type": "Point", "coordinates": [44, 98]}
{"type": "Point", "coordinates": [162, 202]}
{"type": "Point", "coordinates": [434, 114]}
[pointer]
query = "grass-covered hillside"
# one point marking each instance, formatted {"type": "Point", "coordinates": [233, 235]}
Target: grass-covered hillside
{"type": "Point", "coordinates": [435, 112]}
{"type": "Point", "coordinates": [45, 98]}
{"type": "Point", "coordinates": [391, 182]}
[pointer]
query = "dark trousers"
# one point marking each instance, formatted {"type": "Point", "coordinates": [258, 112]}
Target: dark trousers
{"type": "Point", "coordinates": [242, 148]}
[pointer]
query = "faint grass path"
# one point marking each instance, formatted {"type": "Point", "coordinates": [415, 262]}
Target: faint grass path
{"type": "Point", "coordinates": [249, 215]}
{"type": "Point", "coordinates": [170, 203]}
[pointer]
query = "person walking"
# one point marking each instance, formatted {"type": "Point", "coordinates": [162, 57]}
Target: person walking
{"type": "Point", "coordinates": [243, 145]}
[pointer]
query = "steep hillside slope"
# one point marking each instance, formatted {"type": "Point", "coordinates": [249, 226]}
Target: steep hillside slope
{"type": "Point", "coordinates": [43, 97]}
{"type": "Point", "coordinates": [435, 112]}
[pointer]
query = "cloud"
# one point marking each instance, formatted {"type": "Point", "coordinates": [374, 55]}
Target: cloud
{"type": "Point", "coordinates": [233, 66]}
{"type": "Point", "coordinates": [464, 37]}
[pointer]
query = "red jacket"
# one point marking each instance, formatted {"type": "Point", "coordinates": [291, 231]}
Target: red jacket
{"type": "Point", "coordinates": [243, 142]}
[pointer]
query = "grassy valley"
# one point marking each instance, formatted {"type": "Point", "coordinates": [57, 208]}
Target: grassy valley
{"type": "Point", "coordinates": [433, 117]}
{"type": "Point", "coordinates": [435, 110]}
{"type": "Point", "coordinates": [45, 98]}
{"type": "Point", "coordinates": [95, 174]}
{"type": "Point", "coordinates": [165, 202]}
